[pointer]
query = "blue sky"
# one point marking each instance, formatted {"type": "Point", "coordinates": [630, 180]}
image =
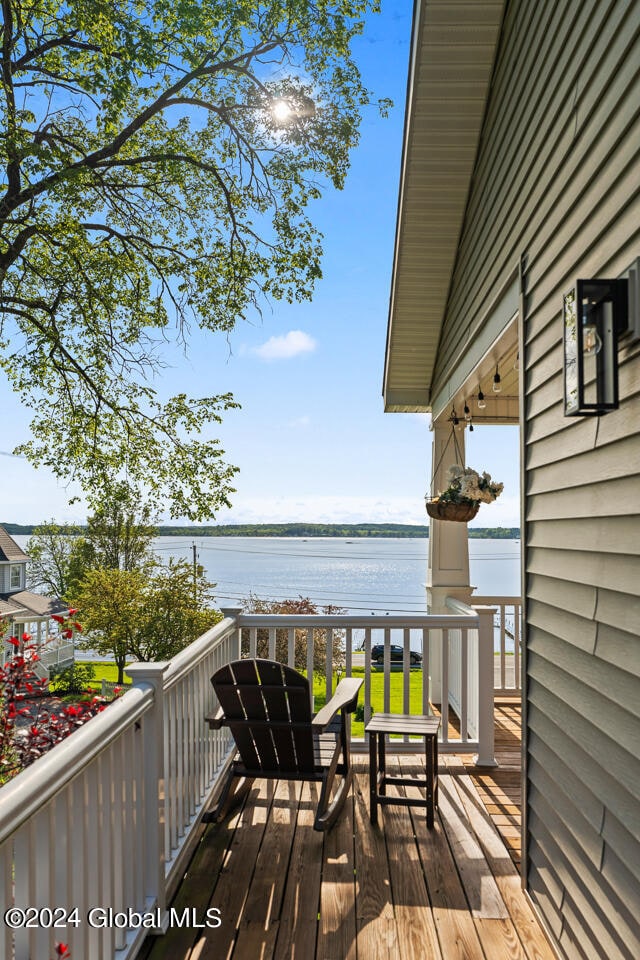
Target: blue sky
{"type": "Point", "coordinates": [311, 439]}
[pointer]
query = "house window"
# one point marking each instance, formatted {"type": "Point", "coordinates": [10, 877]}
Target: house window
{"type": "Point", "coordinates": [15, 576]}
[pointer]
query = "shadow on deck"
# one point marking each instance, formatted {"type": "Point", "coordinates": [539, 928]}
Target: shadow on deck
{"type": "Point", "coordinates": [500, 788]}
{"type": "Point", "coordinates": [363, 893]}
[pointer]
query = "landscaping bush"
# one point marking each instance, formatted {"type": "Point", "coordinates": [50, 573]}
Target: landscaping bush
{"type": "Point", "coordinates": [73, 680]}
{"type": "Point", "coordinates": [31, 723]}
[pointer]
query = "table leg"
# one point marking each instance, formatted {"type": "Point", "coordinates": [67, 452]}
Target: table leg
{"type": "Point", "coordinates": [435, 772]}
{"type": "Point", "coordinates": [382, 763]}
{"type": "Point", "coordinates": [429, 749]}
{"type": "Point", "coordinates": [373, 778]}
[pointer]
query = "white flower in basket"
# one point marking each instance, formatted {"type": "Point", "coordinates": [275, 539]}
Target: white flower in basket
{"type": "Point", "coordinates": [466, 490]}
{"type": "Point", "coordinates": [467, 486]}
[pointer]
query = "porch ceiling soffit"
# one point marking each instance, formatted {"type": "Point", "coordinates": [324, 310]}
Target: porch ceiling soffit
{"type": "Point", "coordinates": [453, 49]}
{"type": "Point", "coordinates": [493, 343]}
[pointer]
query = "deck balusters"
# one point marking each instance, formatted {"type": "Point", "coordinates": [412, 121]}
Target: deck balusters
{"type": "Point", "coordinates": [464, 681]}
{"type": "Point", "coordinates": [329, 664]}
{"type": "Point", "coordinates": [310, 662]}
{"type": "Point", "coordinates": [507, 624]}
{"type": "Point", "coordinates": [367, 675]}
{"type": "Point", "coordinates": [291, 647]}
{"type": "Point", "coordinates": [387, 671]}
{"type": "Point", "coordinates": [406, 668]}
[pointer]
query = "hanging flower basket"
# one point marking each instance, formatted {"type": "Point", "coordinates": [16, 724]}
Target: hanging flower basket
{"type": "Point", "coordinates": [445, 510]}
{"type": "Point", "coordinates": [462, 498]}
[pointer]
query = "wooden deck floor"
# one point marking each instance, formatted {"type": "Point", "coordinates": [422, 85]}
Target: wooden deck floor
{"type": "Point", "coordinates": [500, 789]}
{"type": "Point", "coordinates": [394, 892]}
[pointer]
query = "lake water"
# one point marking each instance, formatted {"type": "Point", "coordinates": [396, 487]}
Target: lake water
{"type": "Point", "coordinates": [363, 575]}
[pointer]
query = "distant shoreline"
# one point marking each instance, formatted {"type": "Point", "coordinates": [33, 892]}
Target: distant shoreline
{"type": "Point", "coordinates": [389, 530]}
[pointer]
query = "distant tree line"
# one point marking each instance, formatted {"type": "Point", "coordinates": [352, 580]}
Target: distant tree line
{"type": "Point", "coordinates": [292, 530]}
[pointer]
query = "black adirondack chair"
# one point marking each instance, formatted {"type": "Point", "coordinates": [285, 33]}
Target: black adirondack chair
{"type": "Point", "coordinates": [267, 708]}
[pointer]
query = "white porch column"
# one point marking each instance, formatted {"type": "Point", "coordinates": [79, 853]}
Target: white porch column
{"type": "Point", "coordinates": [448, 570]}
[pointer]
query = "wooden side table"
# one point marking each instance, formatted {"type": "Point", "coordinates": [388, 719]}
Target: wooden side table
{"type": "Point", "coordinates": [382, 724]}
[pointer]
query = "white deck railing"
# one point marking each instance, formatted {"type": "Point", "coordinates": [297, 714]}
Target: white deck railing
{"type": "Point", "coordinates": [105, 821]}
{"type": "Point", "coordinates": [388, 687]}
{"type": "Point", "coordinates": [53, 654]}
{"type": "Point", "coordinates": [508, 637]}
{"type": "Point", "coordinates": [101, 828]}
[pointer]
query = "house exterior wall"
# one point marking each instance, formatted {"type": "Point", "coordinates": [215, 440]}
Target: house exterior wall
{"type": "Point", "coordinates": [557, 189]}
{"type": "Point", "coordinates": [6, 585]}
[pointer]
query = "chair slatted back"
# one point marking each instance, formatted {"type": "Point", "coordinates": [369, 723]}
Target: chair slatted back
{"type": "Point", "coordinates": [270, 703]}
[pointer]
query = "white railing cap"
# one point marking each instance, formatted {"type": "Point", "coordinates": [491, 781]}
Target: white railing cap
{"type": "Point", "coordinates": [414, 621]}
{"type": "Point", "coordinates": [481, 600]}
{"type": "Point", "coordinates": [185, 661]}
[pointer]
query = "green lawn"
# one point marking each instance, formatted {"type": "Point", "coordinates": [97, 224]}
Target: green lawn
{"type": "Point", "coordinates": [377, 694]}
{"type": "Point", "coordinates": [109, 672]}
{"type": "Point", "coordinates": [104, 671]}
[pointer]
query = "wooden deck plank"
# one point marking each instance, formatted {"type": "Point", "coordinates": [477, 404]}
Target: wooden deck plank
{"type": "Point", "coordinates": [454, 925]}
{"type": "Point", "coordinates": [258, 929]}
{"type": "Point", "coordinates": [528, 930]}
{"type": "Point", "coordinates": [194, 892]}
{"type": "Point", "coordinates": [254, 941]}
{"type": "Point", "coordinates": [494, 934]}
{"type": "Point", "coordinates": [337, 928]}
{"type": "Point", "coordinates": [416, 929]}
{"type": "Point", "coordinates": [477, 879]}
{"type": "Point", "coordinates": [500, 788]}
{"type": "Point", "coordinates": [376, 931]}
{"type": "Point", "coordinates": [298, 926]}
{"type": "Point", "coordinates": [499, 938]}
{"type": "Point", "coordinates": [232, 888]}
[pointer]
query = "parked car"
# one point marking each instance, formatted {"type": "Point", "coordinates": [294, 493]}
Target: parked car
{"type": "Point", "coordinates": [396, 653]}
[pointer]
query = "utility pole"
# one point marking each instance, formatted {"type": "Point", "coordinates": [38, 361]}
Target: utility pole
{"type": "Point", "coordinates": [195, 573]}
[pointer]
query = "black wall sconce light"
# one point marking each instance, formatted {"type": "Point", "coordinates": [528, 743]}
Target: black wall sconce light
{"type": "Point", "coordinates": [595, 314]}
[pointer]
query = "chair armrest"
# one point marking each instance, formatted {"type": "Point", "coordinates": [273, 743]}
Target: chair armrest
{"type": "Point", "coordinates": [345, 698]}
{"type": "Point", "coordinates": [215, 720]}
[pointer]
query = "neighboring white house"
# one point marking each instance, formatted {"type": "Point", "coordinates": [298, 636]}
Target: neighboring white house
{"type": "Point", "coordinates": [22, 611]}
{"type": "Point", "coordinates": [521, 177]}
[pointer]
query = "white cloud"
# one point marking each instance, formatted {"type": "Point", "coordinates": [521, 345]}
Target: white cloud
{"type": "Point", "coordinates": [327, 508]}
{"type": "Point", "coordinates": [324, 508]}
{"type": "Point", "coordinates": [299, 422]}
{"type": "Point", "coordinates": [290, 344]}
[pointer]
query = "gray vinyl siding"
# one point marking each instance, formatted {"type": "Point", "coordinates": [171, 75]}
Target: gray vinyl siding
{"type": "Point", "coordinates": [557, 183]}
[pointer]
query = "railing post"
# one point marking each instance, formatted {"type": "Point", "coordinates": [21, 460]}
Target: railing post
{"type": "Point", "coordinates": [233, 613]}
{"type": "Point", "coordinates": [486, 735]}
{"type": "Point", "coordinates": [153, 825]}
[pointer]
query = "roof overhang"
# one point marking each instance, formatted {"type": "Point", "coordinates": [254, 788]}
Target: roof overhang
{"type": "Point", "coordinates": [452, 56]}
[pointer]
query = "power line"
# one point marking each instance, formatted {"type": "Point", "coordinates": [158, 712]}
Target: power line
{"type": "Point", "coordinates": [330, 556]}
{"type": "Point", "coordinates": [315, 556]}
{"type": "Point", "coordinates": [325, 602]}
{"type": "Point", "coordinates": [339, 593]}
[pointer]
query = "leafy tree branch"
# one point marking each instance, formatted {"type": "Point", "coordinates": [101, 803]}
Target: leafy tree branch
{"type": "Point", "coordinates": [146, 186]}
